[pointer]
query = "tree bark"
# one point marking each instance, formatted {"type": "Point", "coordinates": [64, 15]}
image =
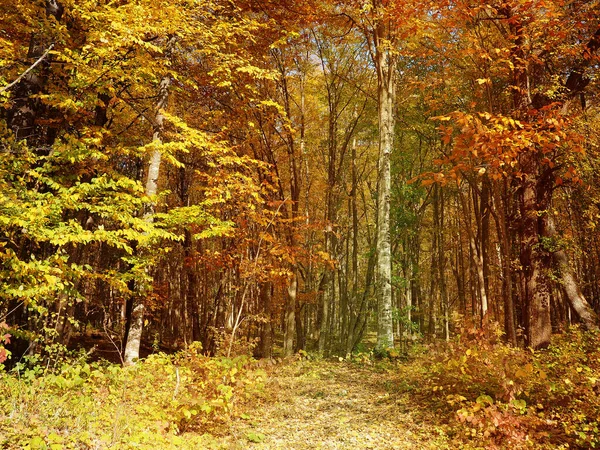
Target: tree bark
{"type": "Point", "coordinates": [476, 257]}
{"type": "Point", "coordinates": [132, 347]}
{"type": "Point", "coordinates": [587, 316]}
{"type": "Point", "coordinates": [507, 285]}
{"type": "Point", "coordinates": [266, 335]}
{"type": "Point", "coordinates": [290, 317]}
{"type": "Point", "coordinates": [534, 259]}
{"type": "Point", "coordinates": [535, 197]}
{"type": "Point", "coordinates": [295, 182]}
{"type": "Point", "coordinates": [384, 63]}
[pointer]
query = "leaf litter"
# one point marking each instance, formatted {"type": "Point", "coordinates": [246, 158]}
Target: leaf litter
{"type": "Point", "coordinates": [333, 405]}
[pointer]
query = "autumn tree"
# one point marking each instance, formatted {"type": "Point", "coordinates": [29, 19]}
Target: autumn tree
{"type": "Point", "coordinates": [82, 117]}
{"type": "Point", "coordinates": [522, 132]}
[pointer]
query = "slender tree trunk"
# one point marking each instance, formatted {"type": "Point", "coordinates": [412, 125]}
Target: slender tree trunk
{"type": "Point", "coordinates": [384, 63]}
{"type": "Point", "coordinates": [484, 239]}
{"type": "Point", "coordinates": [290, 317]}
{"type": "Point", "coordinates": [507, 285]}
{"type": "Point", "coordinates": [295, 181]}
{"type": "Point", "coordinates": [326, 299]}
{"type": "Point", "coordinates": [434, 288]}
{"type": "Point", "coordinates": [585, 313]}
{"type": "Point", "coordinates": [190, 284]}
{"type": "Point", "coordinates": [132, 347]}
{"type": "Point", "coordinates": [460, 270]}
{"type": "Point", "coordinates": [477, 258]}
{"type": "Point", "coordinates": [266, 335]}
{"type": "Point", "coordinates": [300, 328]}
{"type": "Point", "coordinates": [442, 268]}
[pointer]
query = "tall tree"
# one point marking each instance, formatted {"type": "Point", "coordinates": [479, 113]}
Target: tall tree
{"type": "Point", "coordinates": [520, 133]}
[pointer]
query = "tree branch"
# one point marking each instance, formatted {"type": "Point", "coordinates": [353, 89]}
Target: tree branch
{"type": "Point", "coordinates": [33, 66]}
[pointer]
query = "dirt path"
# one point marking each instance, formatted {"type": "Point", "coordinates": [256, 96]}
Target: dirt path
{"type": "Point", "coordinates": [330, 405]}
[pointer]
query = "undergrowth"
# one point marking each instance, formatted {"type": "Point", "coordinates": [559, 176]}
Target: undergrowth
{"type": "Point", "coordinates": [164, 401]}
{"type": "Point", "coordinates": [489, 395]}
{"type": "Point", "coordinates": [481, 394]}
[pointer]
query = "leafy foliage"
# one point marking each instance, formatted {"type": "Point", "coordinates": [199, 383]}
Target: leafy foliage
{"type": "Point", "coordinates": [4, 339]}
{"type": "Point", "coordinates": [157, 402]}
{"type": "Point", "coordinates": [495, 396]}
{"type": "Point", "coordinates": [73, 209]}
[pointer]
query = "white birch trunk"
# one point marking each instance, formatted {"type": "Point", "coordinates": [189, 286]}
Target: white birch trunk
{"type": "Point", "coordinates": [384, 63]}
{"type": "Point", "coordinates": [134, 338]}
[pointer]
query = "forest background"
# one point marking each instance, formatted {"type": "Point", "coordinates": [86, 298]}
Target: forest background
{"type": "Point", "coordinates": [272, 176]}
{"type": "Point", "coordinates": [226, 173]}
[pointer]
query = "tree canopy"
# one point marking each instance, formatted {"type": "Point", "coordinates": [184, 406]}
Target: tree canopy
{"type": "Point", "coordinates": [240, 172]}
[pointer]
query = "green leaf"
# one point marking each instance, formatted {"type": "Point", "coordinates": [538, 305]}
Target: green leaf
{"type": "Point", "coordinates": [519, 404]}
{"type": "Point", "coordinates": [37, 443]}
{"type": "Point", "coordinates": [485, 400]}
{"type": "Point", "coordinates": [257, 438]}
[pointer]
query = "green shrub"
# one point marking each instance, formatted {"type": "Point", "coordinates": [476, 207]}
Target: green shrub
{"type": "Point", "coordinates": [100, 405]}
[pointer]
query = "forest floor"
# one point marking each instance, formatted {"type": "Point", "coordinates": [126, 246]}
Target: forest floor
{"type": "Point", "coordinates": [334, 405]}
{"type": "Point", "coordinates": [471, 393]}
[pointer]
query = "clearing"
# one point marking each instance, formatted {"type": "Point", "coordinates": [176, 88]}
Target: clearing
{"type": "Point", "coordinates": [334, 405]}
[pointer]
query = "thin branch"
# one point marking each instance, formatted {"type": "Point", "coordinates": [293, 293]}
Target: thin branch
{"type": "Point", "coordinates": [238, 322]}
{"type": "Point", "coordinates": [33, 66]}
{"type": "Point", "coordinates": [11, 311]}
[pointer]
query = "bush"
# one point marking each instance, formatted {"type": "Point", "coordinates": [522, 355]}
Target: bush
{"type": "Point", "coordinates": [496, 396]}
{"type": "Point", "coordinates": [101, 405]}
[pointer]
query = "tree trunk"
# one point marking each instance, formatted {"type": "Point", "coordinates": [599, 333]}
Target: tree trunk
{"type": "Point", "coordinates": [434, 288]}
{"type": "Point", "coordinates": [476, 257]}
{"type": "Point", "coordinates": [326, 298]}
{"type": "Point", "coordinates": [442, 267]}
{"type": "Point", "coordinates": [507, 285]}
{"type": "Point", "coordinates": [534, 261]}
{"type": "Point", "coordinates": [587, 316]}
{"type": "Point", "coordinates": [295, 181]}
{"type": "Point", "coordinates": [266, 334]}
{"type": "Point", "coordinates": [132, 347]}
{"type": "Point", "coordinates": [384, 63]}
{"type": "Point", "coordinates": [536, 193]}
{"type": "Point", "coordinates": [290, 317]}
{"type": "Point", "coordinates": [484, 238]}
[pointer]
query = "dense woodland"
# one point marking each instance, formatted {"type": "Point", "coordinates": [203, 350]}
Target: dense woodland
{"type": "Point", "coordinates": [299, 224]}
{"type": "Point", "coordinates": [256, 175]}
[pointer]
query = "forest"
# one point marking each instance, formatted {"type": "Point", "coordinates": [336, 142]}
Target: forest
{"type": "Point", "coordinates": [207, 203]}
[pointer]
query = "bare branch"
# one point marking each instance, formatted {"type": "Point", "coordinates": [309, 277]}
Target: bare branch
{"type": "Point", "coordinates": [33, 66]}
